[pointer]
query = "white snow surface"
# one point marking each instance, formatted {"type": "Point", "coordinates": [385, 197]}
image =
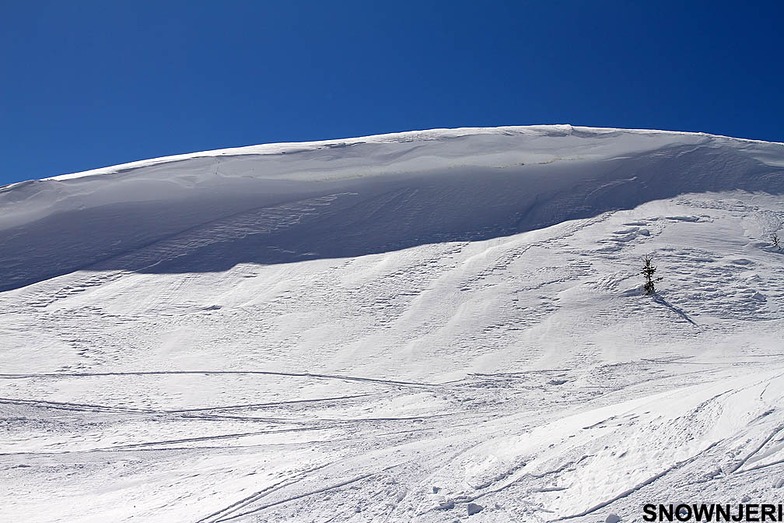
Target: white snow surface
{"type": "Point", "coordinates": [396, 328]}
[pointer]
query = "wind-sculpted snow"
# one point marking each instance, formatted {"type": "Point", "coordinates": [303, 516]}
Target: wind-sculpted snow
{"type": "Point", "coordinates": [431, 326]}
{"type": "Point", "coordinates": [386, 193]}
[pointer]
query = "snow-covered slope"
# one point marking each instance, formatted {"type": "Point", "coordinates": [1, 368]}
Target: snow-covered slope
{"type": "Point", "coordinates": [390, 328]}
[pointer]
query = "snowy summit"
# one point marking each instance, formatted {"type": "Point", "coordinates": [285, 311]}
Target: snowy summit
{"type": "Point", "coordinates": [427, 326]}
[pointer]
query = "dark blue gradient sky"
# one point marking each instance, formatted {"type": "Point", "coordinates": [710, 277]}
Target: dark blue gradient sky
{"type": "Point", "coordinates": [85, 83]}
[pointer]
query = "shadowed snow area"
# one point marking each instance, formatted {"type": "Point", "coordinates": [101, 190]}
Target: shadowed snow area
{"type": "Point", "coordinates": [432, 326]}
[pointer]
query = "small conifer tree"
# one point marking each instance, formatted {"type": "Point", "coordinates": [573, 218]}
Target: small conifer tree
{"type": "Point", "coordinates": [774, 238]}
{"type": "Point", "coordinates": [648, 270]}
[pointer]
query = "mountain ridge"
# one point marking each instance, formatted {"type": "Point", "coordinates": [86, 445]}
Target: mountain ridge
{"type": "Point", "coordinates": [445, 186]}
{"type": "Point", "coordinates": [401, 136]}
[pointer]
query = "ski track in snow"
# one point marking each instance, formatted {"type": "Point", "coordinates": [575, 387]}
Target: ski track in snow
{"type": "Point", "coordinates": [381, 352]}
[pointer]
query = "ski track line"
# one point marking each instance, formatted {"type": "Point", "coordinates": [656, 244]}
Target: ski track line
{"type": "Point", "coordinates": [222, 515]}
{"type": "Point", "coordinates": [160, 445]}
{"type": "Point", "coordinates": [89, 407]}
{"type": "Point", "coordinates": [248, 500]}
{"type": "Point", "coordinates": [83, 407]}
{"type": "Point", "coordinates": [272, 404]}
{"type": "Point", "coordinates": [226, 513]}
{"type": "Point", "coordinates": [219, 372]}
{"type": "Point", "coordinates": [639, 486]}
{"type": "Point", "coordinates": [759, 447]}
{"type": "Point", "coordinates": [759, 467]}
{"type": "Point", "coordinates": [294, 498]}
{"type": "Point", "coordinates": [244, 502]}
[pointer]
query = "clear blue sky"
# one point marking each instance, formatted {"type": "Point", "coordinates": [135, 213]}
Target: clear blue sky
{"type": "Point", "coordinates": [86, 83]}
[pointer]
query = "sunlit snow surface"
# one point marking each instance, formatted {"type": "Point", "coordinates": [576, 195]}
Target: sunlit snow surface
{"type": "Point", "coordinates": [390, 328]}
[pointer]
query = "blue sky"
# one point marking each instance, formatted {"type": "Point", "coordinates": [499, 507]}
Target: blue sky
{"type": "Point", "coordinates": [85, 84]}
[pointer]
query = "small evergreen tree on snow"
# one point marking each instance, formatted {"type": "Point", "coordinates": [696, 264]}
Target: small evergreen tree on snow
{"type": "Point", "coordinates": [648, 270]}
{"type": "Point", "coordinates": [774, 238]}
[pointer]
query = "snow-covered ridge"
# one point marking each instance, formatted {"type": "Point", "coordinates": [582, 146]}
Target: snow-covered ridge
{"type": "Point", "coordinates": [399, 137]}
{"type": "Point", "coordinates": [398, 190]}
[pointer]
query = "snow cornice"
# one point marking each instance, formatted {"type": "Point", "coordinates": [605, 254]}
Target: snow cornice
{"type": "Point", "coordinates": [428, 135]}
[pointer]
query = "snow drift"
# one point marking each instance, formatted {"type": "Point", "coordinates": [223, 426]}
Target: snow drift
{"type": "Point", "coordinates": [356, 197]}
